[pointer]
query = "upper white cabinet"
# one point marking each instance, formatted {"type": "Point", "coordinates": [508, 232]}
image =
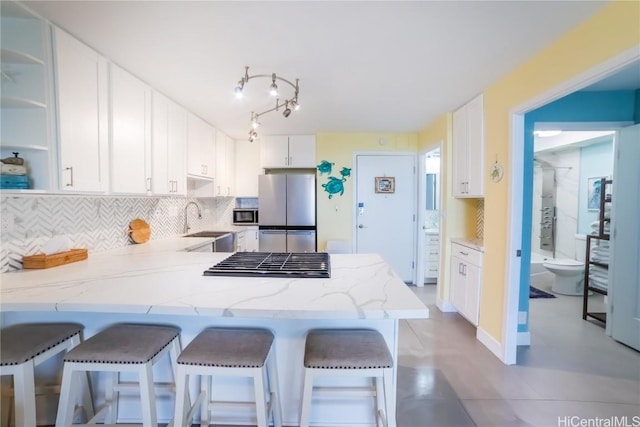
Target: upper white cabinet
{"type": "Point", "coordinates": [169, 147]}
{"type": "Point", "coordinates": [466, 281]}
{"type": "Point", "coordinates": [82, 89]}
{"type": "Point", "coordinates": [225, 165]}
{"type": "Point", "coordinates": [130, 133]}
{"type": "Point", "coordinates": [26, 108]}
{"type": "Point", "coordinates": [282, 151]}
{"type": "Point", "coordinates": [247, 167]}
{"type": "Point", "coordinates": [200, 148]}
{"type": "Point", "coordinates": [468, 149]}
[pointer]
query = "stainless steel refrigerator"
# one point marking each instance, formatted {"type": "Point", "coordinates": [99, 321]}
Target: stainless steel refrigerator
{"type": "Point", "coordinates": [287, 220]}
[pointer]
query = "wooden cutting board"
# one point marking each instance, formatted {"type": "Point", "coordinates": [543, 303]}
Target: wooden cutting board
{"type": "Point", "coordinates": [139, 230]}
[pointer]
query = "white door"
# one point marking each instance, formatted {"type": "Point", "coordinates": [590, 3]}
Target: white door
{"type": "Point", "coordinates": [624, 267]}
{"type": "Point", "coordinates": [386, 209]}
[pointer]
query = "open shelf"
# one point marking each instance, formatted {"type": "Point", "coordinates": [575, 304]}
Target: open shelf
{"type": "Point", "coordinates": [601, 235]}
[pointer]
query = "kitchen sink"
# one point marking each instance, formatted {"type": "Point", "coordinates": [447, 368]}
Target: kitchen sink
{"type": "Point", "coordinates": [213, 234]}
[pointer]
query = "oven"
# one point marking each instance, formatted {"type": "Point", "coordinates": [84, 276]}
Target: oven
{"type": "Point", "coordinates": [245, 216]}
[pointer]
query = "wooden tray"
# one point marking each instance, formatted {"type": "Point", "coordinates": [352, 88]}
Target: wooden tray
{"type": "Point", "coordinates": [54, 260]}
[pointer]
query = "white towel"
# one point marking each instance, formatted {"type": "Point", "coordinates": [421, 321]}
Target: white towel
{"type": "Point", "coordinates": [6, 169]}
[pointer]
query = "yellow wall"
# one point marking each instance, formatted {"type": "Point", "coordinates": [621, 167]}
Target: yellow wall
{"type": "Point", "coordinates": [615, 29]}
{"type": "Point", "coordinates": [336, 214]}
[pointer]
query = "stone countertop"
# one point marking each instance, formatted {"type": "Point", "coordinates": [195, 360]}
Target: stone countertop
{"type": "Point", "coordinates": [476, 244]}
{"type": "Point", "coordinates": [161, 277]}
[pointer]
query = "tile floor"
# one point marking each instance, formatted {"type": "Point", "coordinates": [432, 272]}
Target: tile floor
{"type": "Point", "coordinates": [572, 369]}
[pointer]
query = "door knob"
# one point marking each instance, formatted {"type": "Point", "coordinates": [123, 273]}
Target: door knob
{"type": "Point", "coordinates": [360, 226]}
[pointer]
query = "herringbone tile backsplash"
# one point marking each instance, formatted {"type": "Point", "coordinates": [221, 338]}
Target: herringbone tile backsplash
{"type": "Point", "coordinates": [96, 223]}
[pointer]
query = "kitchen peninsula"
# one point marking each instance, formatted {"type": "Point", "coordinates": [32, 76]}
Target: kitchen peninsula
{"type": "Point", "coordinates": [161, 282]}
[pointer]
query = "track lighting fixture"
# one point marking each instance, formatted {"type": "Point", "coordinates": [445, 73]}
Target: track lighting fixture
{"type": "Point", "coordinates": [289, 105]}
{"type": "Point", "coordinates": [287, 110]}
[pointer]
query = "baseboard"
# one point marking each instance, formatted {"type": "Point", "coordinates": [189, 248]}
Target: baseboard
{"type": "Point", "coordinates": [445, 306]}
{"type": "Point", "coordinates": [491, 343]}
{"type": "Point", "coordinates": [524, 338]}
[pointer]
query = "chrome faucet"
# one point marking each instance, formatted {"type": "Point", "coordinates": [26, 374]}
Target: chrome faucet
{"type": "Point", "coordinates": [186, 218]}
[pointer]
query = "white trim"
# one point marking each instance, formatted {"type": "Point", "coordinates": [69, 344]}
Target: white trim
{"type": "Point", "coordinates": [512, 290]}
{"type": "Point", "coordinates": [582, 126]}
{"type": "Point", "coordinates": [445, 306]}
{"type": "Point", "coordinates": [524, 338]}
{"type": "Point", "coordinates": [491, 343]}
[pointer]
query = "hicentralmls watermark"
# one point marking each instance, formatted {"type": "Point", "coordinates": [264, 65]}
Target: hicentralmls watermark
{"type": "Point", "coordinates": [615, 421]}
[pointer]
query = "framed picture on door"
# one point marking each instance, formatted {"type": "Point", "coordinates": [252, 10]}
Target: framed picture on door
{"type": "Point", "coordinates": [385, 184]}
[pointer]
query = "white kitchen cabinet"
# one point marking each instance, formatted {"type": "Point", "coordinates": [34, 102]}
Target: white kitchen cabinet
{"type": "Point", "coordinates": [468, 149]}
{"type": "Point", "coordinates": [466, 281]}
{"type": "Point", "coordinates": [201, 148]}
{"type": "Point", "coordinates": [247, 167]}
{"type": "Point", "coordinates": [294, 151]}
{"type": "Point", "coordinates": [225, 165]}
{"type": "Point", "coordinates": [169, 147]}
{"type": "Point", "coordinates": [82, 90]}
{"type": "Point", "coordinates": [251, 239]}
{"type": "Point", "coordinates": [26, 92]}
{"type": "Point", "coordinates": [130, 133]}
{"type": "Point", "coordinates": [431, 256]}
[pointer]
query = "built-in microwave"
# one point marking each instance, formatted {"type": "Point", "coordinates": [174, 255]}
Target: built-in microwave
{"type": "Point", "coordinates": [245, 216]}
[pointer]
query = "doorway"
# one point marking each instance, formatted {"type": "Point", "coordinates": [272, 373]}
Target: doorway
{"type": "Point", "coordinates": [520, 193]}
{"type": "Point", "coordinates": [429, 188]}
{"type": "Point", "coordinates": [385, 221]}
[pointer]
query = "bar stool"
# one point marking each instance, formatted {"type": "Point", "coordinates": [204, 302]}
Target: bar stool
{"type": "Point", "coordinates": [349, 352]}
{"type": "Point", "coordinates": [119, 348]}
{"type": "Point", "coordinates": [25, 346]}
{"type": "Point", "coordinates": [229, 352]}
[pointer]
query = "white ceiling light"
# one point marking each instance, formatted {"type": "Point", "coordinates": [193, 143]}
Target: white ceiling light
{"type": "Point", "coordinates": [288, 104]}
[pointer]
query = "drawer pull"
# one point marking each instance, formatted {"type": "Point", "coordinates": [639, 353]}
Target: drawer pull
{"type": "Point", "coordinates": [464, 253]}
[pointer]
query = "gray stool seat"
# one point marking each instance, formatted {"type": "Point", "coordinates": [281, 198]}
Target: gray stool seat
{"type": "Point", "coordinates": [23, 342]}
{"type": "Point", "coordinates": [124, 343]}
{"type": "Point", "coordinates": [233, 352]}
{"type": "Point", "coordinates": [346, 349]}
{"type": "Point", "coordinates": [230, 348]}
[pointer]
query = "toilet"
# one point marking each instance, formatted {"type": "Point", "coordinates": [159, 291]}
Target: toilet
{"type": "Point", "coordinates": [569, 273]}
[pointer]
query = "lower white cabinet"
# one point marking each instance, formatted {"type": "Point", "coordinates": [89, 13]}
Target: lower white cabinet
{"type": "Point", "coordinates": [431, 256]}
{"type": "Point", "coordinates": [247, 240]}
{"type": "Point", "coordinates": [466, 281]}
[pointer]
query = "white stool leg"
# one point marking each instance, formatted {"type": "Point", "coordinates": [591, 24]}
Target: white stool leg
{"type": "Point", "coordinates": [306, 398]}
{"type": "Point", "coordinates": [261, 401]}
{"type": "Point", "coordinates": [66, 408]}
{"type": "Point", "coordinates": [205, 390]}
{"type": "Point", "coordinates": [274, 388]}
{"type": "Point", "coordinates": [181, 379]}
{"type": "Point", "coordinates": [389, 393]}
{"type": "Point", "coordinates": [147, 396]}
{"type": "Point", "coordinates": [111, 397]}
{"type": "Point", "coordinates": [84, 385]}
{"type": "Point", "coordinates": [25, 395]}
{"type": "Point", "coordinates": [381, 411]}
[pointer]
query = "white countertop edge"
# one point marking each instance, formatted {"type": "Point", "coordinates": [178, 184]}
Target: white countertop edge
{"type": "Point", "coordinates": [475, 244]}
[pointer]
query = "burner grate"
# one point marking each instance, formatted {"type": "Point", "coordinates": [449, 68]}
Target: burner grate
{"type": "Point", "coordinates": [273, 264]}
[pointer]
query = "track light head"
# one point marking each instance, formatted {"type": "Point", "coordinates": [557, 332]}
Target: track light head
{"type": "Point", "coordinates": [239, 92]}
{"type": "Point", "coordinates": [252, 135]}
{"type": "Point", "coordinates": [287, 110]}
{"type": "Point", "coordinates": [273, 89]}
{"type": "Point", "coordinates": [294, 104]}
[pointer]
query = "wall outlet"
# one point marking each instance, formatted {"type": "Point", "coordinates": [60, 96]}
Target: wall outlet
{"type": "Point", "coordinates": [522, 318]}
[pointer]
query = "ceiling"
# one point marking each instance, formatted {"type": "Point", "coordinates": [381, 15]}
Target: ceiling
{"type": "Point", "coordinates": [374, 66]}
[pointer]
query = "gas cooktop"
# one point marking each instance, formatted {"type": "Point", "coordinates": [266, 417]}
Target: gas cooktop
{"type": "Point", "coordinates": [273, 264]}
